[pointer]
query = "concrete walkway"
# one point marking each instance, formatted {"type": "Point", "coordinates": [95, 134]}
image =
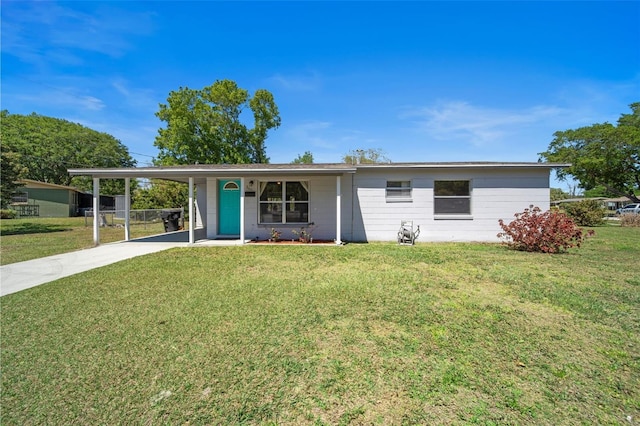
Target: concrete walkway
{"type": "Point", "coordinates": [23, 275]}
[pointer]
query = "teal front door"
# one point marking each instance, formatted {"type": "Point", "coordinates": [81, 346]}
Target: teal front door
{"type": "Point", "coordinates": [229, 207]}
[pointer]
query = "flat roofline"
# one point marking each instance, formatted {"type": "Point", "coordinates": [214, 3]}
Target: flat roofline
{"type": "Point", "coordinates": [464, 164]}
{"type": "Point", "coordinates": [216, 170]}
{"type": "Point", "coordinates": [231, 170]}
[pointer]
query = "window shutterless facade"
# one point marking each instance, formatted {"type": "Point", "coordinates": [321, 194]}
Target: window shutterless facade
{"type": "Point", "coordinates": [452, 197]}
{"type": "Point", "coordinates": [284, 202]}
{"type": "Point", "coordinates": [398, 190]}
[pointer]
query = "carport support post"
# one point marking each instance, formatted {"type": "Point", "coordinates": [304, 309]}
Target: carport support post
{"type": "Point", "coordinates": [192, 216]}
{"type": "Point", "coordinates": [96, 211]}
{"type": "Point", "coordinates": [127, 208]}
{"type": "Point", "coordinates": [338, 211]}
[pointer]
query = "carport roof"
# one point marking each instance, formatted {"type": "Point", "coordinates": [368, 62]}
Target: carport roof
{"type": "Point", "coordinates": [184, 172]}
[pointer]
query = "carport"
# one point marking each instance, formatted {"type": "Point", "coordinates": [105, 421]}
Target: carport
{"type": "Point", "coordinates": [177, 174]}
{"type": "Point", "coordinates": [208, 183]}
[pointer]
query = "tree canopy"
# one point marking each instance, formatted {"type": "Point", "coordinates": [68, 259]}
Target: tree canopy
{"type": "Point", "coordinates": [306, 158]}
{"type": "Point", "coordinates": [206, 126]}
{"type": "Point", "coordinates": [160, 194]}
{"type": "Point", "coordinates": [365, 156]}
{"type": "Point", "coordinates": [602, 155]}
{"type": "Point", "coordinates": [44, 148]}
{"type": "Point", "coordinates": [12, 171]}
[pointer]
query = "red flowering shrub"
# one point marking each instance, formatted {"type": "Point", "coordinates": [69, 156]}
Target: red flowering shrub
{"type": "Point", "coordinates": [547, 232]}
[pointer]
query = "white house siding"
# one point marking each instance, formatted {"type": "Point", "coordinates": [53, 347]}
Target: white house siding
{"type": "Point", "coordinates": [322, 209]}
{"type": "Point", "coordinates": [201, 205]}
{"type": "Point", "coordinates": [212, 208]}
{"type": "Point", "coordinates": [496, 193]}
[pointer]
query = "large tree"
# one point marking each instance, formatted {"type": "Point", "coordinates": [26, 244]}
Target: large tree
{"type": "Point", "coordinates": [47, 147]}
{"type": "Point", "coordinates": [160, 194]}
{"type": "Point", "coordinates": [206, 126]}
{"type": "Point", "coordinates": [602, 155]}
{"type": "Point", "coordinates": [11, 172]}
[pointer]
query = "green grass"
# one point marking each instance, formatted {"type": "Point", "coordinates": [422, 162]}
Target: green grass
{"type": "Point", "coordinates": [26, 239]}
{"type": "Point", "coordinates": [361, 334]}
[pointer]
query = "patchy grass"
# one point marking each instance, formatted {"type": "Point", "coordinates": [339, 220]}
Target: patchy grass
{"type": "Point", "coordinates": [26, 239]}
{"type": "Point", "coordinates": [360, 334]}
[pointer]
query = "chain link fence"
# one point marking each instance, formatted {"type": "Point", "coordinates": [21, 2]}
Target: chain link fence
{"type": "Point", "coordinates": [148, 218]}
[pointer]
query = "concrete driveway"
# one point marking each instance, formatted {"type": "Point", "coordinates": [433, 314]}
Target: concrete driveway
{"type": "Point", "coordinates": [22, 275]}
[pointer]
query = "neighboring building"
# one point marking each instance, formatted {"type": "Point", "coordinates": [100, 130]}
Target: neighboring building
{"type": "Point", "coordinates": [611, 204]}
{"type": "Point", "coordinates": [344, 202]}
{"type": "Point", "coordinates": [41, 199]}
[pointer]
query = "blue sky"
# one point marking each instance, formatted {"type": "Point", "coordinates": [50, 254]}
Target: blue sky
{"type": "Point", "coordinates": [422, 81]}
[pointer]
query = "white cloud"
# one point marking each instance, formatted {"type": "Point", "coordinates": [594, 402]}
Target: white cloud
{"type": "Point", "coordinates": [298, 83]}
{"type": "Point", "coordinates": [63, 98]}
{"type": "Point", "coordinates": [479, 126]}
{"type": "Point", "coordinates": [61, 31]}
{"type": "Point", "coordinates": [310, 134]}
{"type": "Point", "coordinates": [142, 99]}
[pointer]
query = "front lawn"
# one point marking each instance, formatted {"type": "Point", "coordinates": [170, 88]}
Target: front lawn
{"type": "Point", "coordinates": [360, 334]}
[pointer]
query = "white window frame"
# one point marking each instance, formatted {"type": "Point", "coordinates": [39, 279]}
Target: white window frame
{"type": "Point", "coordinates": [453, 215]}
{"type": "Point", "coordinates": [284, 202]}
{"type": "Point", "coordinates": [401, 193]}
{"type": "Point", "coordinates": [20, 197]}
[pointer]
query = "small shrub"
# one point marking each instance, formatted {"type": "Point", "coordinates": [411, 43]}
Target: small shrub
{"type": "Point", "coordinates": [586, 212]}
{"type": "Point", "coordinates": [305, 235]}
{"type": "Point", "coordinates": [8, 214]}
{"type": "Point", "coordinates": [537, 231]}
{"type": "Point", "coordinates": [274, 234]}
{"type": "Point", "coordinates": [630, 219]}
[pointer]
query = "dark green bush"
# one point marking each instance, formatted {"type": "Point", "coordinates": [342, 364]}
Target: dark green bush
{"type": "Point", "coordinates": [7, 214]}
{"type": "Point", "coordinates": [586, 212]}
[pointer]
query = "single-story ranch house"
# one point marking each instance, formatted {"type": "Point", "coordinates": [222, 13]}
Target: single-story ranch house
{"type": "Point", "coordinates": [452, 201]}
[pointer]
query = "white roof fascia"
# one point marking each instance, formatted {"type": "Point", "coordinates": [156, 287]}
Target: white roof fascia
{"type": "Point", "coordinates": [231, 170]}
{"type": "Point", "coordinates": [462, 165]}
{"type": "Point", "coordinates": [183, 172]}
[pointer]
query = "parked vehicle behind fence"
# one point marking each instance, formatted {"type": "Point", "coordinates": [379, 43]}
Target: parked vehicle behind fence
{"type": "Point", "coordinates": [629, 208]}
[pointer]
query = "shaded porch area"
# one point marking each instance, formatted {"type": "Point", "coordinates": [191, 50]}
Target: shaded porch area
{"type": "Point", "coordinates": [182, 237]}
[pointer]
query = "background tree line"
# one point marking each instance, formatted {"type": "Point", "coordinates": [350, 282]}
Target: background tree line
{"type": "Point", "coordinates": [44, 148]}
{"type": "Point", "coordinates": [209, 126]}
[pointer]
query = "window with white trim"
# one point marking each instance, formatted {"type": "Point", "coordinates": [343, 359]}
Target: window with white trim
{"type": "Point", "coordinates": [452, 197]}
{"type": "Point", "coordinates": [398, 190]}
{"type": "Point", "coordinates": [284, 202]}
{"type": "Point", "coordinates": [20, 198]}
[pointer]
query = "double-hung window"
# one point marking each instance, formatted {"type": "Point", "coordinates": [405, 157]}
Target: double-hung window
{"type": "Point", "coordinates": [398, 190]}
{"type": "Point", "coordinates": [284, 202]}
{"type": "Point", "coordinates": [452, 197]}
